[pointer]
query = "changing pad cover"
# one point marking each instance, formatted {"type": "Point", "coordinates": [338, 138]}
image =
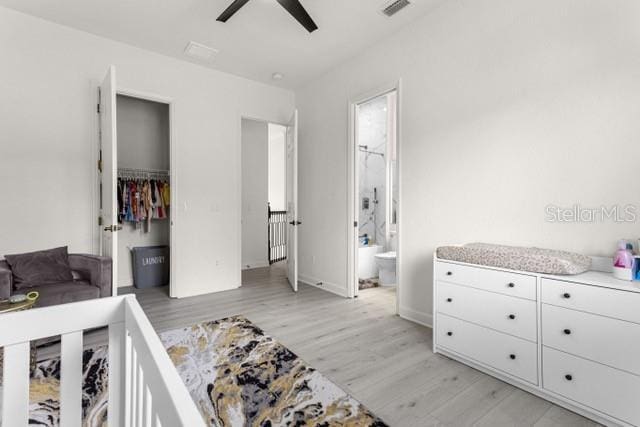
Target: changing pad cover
{"type": "Point", "coordinates": [536, 260]}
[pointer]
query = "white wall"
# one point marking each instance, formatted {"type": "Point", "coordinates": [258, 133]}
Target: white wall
{"type": "Point", "coordinates": [143, 134]}
{"type": "Point", "coordinates": [277, 167]}
{"type": "Point", "coordinates": [143, 143]}
{"type": "Point", "coordinates": [255, 144]}
{"type": "Point", "coordinates": [507, 106]}
{"type": "Point", "coordinates": [48, 140]}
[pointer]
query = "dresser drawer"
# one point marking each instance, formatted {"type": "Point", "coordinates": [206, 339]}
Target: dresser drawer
{"type": "Point", "coordinates": [600, 387]}
{"type": "Point", "coordinates": [613, 342]}
{"type": "Point", "coordinates": [593, 299]}
{"type": "Point", "coordinates": [506, 314]}
{"type": "Point", "coordinates": [508, 354]}
{"type": "Point", "coordinates": [513, 284]}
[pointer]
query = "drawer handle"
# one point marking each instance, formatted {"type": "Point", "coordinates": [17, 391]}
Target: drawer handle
{"type": "Point", "coordinates": [568, 377]}
{"type": "Point", "coordinates": [450, 333]}
{"type": "Point", "coordinates": [566, 295]}
{"type": "Point", "coordinates": [449, 300]}
{"type": "Point", "coordinates": [512, 356]}
{"type": "Point", "coordinates": [511, 285]}
{"type": "Point", "coordinates": [512, 316]}
{"type": "Point", "coordinates": [567, 331]}
{"type": "Point", "coordinates": [449, 273]}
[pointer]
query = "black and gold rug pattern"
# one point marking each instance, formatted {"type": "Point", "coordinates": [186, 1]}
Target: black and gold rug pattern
{"type": "Point", "coordinates": [236, 375]}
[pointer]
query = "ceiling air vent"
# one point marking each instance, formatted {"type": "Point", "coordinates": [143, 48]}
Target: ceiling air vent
{"type": "Point", "coordinates": [395, 7]}
{"type": "Point", "coordinates": [200, 51]}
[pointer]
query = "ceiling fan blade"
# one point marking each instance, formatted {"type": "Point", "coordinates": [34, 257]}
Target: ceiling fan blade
{"type": "Point", "coordinates": [298, 11]}
{"type": "Point", "coordinates": [231, 10]}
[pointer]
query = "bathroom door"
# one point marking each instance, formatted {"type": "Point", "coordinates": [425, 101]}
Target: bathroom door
{"type": "Point", "coordinates": [109, 172]}
{"type": "Point", "coordinates": [292, 202]}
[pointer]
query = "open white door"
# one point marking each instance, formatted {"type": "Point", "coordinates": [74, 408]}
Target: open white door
{"type": "Point", "coordinates": [109, 176]}
{"type": "Point", "coordinates": [292, 202]}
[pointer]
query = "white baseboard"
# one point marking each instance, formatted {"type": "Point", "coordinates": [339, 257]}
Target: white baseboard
{"type": "Point", "coordinates": [424, 319]}
{"type": "Point", "coordinates": [325, 286]}
{"type": "Point", "coordinates": [252, 265]}
{"type": "Point", "coordinates": [125, 283]}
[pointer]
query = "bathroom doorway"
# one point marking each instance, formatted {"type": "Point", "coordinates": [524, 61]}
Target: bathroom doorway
{"type": "Point", "coordinates": [374, 195]}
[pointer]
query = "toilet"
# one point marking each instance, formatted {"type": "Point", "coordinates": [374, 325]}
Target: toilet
{"type": "Point", "coordinates": [386, 263]}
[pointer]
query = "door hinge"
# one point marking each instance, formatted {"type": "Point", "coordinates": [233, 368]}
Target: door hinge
{"type": "Point", "coordinates": [99, 99]}
{"type": "Point", "coordinates": [100, 220]}
{"type": "Point", "coordinates": [100, 165]}
{"type": "Point", "coordinates": [355, 223]}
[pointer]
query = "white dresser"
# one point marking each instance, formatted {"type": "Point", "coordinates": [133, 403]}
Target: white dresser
{"type": "Point", "coordinates": [573, 340]}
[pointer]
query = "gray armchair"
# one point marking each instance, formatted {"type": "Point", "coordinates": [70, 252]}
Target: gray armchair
{"type": "Point", "coordinates": [92, 279]}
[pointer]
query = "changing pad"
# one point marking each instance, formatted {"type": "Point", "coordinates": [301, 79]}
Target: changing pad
{"type": "Point", "coordinates": [535, 260]}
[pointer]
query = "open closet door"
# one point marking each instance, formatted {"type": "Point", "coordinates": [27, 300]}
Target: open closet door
{"type": "Point", "coordinates": [292, 202]}
{"type": "Point", "coordinates": [109, 175]}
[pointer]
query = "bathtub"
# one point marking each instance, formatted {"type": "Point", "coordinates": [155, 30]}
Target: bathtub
{"type": "Point", "coordinates": [367, 267]}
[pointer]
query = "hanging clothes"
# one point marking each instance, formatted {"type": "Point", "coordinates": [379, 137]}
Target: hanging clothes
{"type": "Point", "coordinates": [142, 200]}
{"type": "Point", "coordinates": [127, 201]}
{"type": "Point", "coordinates": [166, 194]}
{"type": "Point", "coordinates": [160, 209]}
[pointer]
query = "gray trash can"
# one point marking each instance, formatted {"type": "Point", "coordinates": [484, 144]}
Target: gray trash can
{"type": "Point", "coordinates": [150, 266]}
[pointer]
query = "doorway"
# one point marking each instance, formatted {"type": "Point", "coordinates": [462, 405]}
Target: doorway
{"type": "Point", "coordinates": [375, 196]}
{"type": "Point", "coordinates": [135, 173]}
{"type": "Point", "coordinates": [267, 177]}
{"type": "Point", "coordinates": [144, 179]}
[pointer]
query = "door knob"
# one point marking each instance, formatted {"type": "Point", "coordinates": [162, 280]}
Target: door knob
{"type": "Point", "coordinates": [113, 228]}
{"type": "Point", "coordinates": [294, 223]}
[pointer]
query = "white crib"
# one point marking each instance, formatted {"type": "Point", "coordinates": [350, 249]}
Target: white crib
{"type": "Point", "coordinates": [144, 386]}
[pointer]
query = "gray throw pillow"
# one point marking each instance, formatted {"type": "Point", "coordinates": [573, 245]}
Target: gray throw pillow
{"type": "Point", "coordinates": [40, 268]}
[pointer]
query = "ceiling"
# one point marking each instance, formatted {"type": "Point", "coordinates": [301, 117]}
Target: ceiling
{"type": "Point", "coordinates": [261, 39]}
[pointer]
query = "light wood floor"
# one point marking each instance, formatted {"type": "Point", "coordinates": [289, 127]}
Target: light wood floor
{"type": "Point", "coordinates": [383, 361]}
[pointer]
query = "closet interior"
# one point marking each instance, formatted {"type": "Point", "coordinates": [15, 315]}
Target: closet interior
{"type": "Point", "coordinates": [144, 184]}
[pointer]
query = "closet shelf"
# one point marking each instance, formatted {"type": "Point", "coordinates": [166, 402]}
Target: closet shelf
{"type": "Point", "coordinates": [142, 173]}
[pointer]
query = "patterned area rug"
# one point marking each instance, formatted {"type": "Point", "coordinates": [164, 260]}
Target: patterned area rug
{"type": "Point", "coordinates": [44, 391]}
{"type": "Point", "coordinates": [368, 283]}
{"type": "Point", "coordinates": [237, 376]}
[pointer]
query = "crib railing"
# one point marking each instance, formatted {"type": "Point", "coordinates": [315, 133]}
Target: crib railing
{"type": "Point", "coordinates": [144, 386]}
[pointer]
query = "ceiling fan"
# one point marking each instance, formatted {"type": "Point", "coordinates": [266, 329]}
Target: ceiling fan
{"type": "Point", "coordinates": [292, 6]}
